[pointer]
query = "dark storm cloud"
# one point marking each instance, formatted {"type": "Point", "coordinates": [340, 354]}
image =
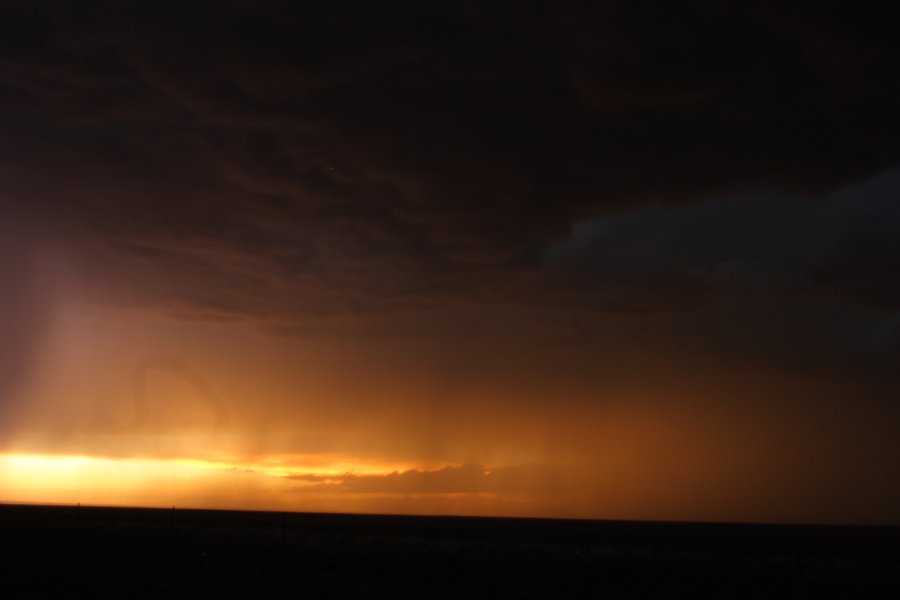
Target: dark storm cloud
{"type": "Point", "coordinates": [292, 161]}
{"type": "Point", "coordinates": [808, 285]}
{"type": "Point", "coordinates": [843, 244]}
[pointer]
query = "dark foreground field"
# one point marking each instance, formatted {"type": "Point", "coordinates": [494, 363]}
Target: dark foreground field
{"type": "Point", "coordinates": [142, 553]}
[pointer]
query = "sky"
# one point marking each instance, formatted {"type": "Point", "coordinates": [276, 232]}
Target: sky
{"type": "Point", "coordinates": [607, 260]}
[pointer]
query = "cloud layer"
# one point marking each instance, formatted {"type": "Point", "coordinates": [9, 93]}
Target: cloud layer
{"type": "Point", "coordinates": [296, 163]}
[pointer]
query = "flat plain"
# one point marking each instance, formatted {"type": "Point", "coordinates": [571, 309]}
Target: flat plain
{"type": "Point", "coordinates": [68, 551]}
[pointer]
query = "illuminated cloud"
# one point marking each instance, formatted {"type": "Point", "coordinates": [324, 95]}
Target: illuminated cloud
{"type": "Point", "coordinates": [464, 479]}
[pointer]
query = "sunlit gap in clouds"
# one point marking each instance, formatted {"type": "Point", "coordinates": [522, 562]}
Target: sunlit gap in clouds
{"type": "Point", "coordinates": [71, 479]}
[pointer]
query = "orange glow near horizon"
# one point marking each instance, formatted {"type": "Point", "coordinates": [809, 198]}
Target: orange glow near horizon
{"type": "Point", "coordinates": [278, 483]}
{"type": "Point", "coordinates": [187, 483]}
{"type": "Point", "coordinates": [349, 425]}
{"type": "Point", "coordinates": [149, 482]}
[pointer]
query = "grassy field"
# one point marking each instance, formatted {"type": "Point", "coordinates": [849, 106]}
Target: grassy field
{"type": "Point", "coordinates": [147, 553]}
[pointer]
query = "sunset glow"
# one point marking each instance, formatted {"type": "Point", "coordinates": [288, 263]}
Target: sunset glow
{"type": "Point", "coordinates": [60, 479]}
